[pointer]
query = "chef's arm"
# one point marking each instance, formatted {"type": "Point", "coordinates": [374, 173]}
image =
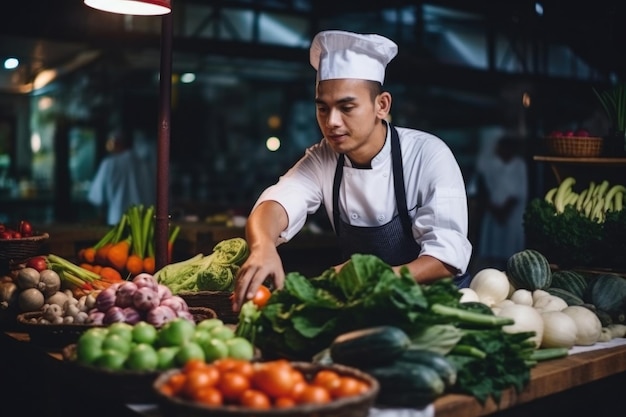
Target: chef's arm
{"type": "Point", "coordinates": [263, 229]}
{"type": "Point", "coordinates": [427, 269]}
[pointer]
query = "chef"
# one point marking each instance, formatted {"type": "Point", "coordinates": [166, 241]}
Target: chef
{"type": "Point", "coordinates": [393, 192]}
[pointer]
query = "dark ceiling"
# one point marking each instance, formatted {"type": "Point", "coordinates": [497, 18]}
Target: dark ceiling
{"type": "Point", "coordinates": [594, 30]}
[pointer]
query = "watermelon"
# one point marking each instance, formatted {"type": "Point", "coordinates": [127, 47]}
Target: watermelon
{"type": "Point", "coordinates": [572, 281]}
{"type": "Point", "coordinates": [608, 294]}
{"type": "Point", "coordinates": [529, 269]}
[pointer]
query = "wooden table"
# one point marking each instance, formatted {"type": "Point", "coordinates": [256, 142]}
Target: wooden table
{"type": "Point", "coordinates": [584, 384]}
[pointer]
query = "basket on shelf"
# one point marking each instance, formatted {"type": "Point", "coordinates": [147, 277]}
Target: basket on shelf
{"type": "Point", "coordinates": [575, 146]}
{"type": "Point", "coordinates": [219, 301]}
{"type": "Point", "coordinates": [19, 250]}
{"type": "Point", "coordinates": [59, 335]}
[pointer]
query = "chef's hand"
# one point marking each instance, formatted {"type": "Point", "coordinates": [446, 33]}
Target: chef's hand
{"type": "Point", "coordinates": [262, 264]}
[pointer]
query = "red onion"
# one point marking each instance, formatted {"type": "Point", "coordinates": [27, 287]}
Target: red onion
{"type": "Point", "coordinates": [96, 317]}
{"type": "Point", "coordinates": [113, 315]}
{"type": "Point", "coordinates": [124, 294]}
{"type": "Point", "coordinates": [145, 299]}
{"type": "Point", "coordinates": [176, 303]}
{"type": "Point", "coordinates": [185, 314]}
{"type": "Point", "coordinates": [160, 315]}
{"type": "Point", "coordinates": [132, 315]}
{"type": "Point", "coordinates": [164, 291]}
{"type": "Point", "coordinates": [146, 280]}
{"type": "Point", "coordinates": [106, 299]}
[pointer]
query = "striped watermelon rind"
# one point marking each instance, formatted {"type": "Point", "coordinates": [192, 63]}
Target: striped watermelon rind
{"type": "Point", "coordinates": [572, 281]}
{"type": "Point", "coordinates": [529, 269]}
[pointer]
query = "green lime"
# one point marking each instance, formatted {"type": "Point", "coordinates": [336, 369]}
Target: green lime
{"type": "Point", "coordinates": [144, 332]}
{"type": "Point", "coordinates": [208, 324]}
{"type": "Point", "coordinates": [89, 348]}
{"type": "Point", "coordinates": [223, 332]}
{"type": "Point", "coordinates": [215, 349]}
{"type": "Point", "coordinates": [111, 359]}
{"type": "Point", "coordinates": [123, 329]}
{"type": "Point", "coordinates": [189, 350]}
{"type": "Point", "coordinates": [167, 357]}
{"type": "Point", "coordinates": [114, 341]}
{"type": "Point", "coordinates": [240, 348]}
{"type": "Point", "coordinates": [176, 332]}
{"type": "Point", "coordinates": [142, 357]}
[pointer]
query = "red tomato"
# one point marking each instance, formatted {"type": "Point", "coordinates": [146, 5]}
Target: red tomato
{"type": "Point", "coordinates": [255, 399]}
{"type": "Point", "coordinates": [262, 295]}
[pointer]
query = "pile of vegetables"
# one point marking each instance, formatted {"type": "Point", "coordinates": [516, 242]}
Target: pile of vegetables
{"type": "Point", "coordinates": [303, 319]}
{"type": "Point", "coordinates": [213, 272]}
{"type": "Point", "coordinates": [576, 226]}
{"type": "Point", "coordinates": [128, 246]}
{"type": "Point", "coordinates": [563, 308]}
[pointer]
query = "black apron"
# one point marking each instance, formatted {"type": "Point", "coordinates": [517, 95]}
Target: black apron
{"type": "Point", "coordinates": [392, 242]}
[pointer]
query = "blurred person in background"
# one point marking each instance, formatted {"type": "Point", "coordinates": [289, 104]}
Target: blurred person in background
{"type": "Point", "coordinates": [501, 184]}
{"type": "Point", "coordinates": [127, 175]}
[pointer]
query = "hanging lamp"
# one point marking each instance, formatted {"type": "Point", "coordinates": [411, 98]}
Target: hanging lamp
{"type": "Point", "coordinates": [132, 7]}
{"type": "Point", "coordinates": [155, 8]}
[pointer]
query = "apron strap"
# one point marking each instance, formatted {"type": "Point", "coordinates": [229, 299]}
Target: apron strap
{"type": "Point", "coordinates": [398, 183]}
{"type": "Point", "coordinates": [336, 184]}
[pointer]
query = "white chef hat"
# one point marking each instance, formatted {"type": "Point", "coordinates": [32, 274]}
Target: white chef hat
{"type": "Point", "coordinates": [339, 54]}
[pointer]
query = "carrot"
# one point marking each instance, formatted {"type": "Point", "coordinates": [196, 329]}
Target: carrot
{"type": "Point", "coordinates": [134, 264]}
{"type": "Point", "coordinates": [89, 255]}
{"type": "Point", "coordinates": [110, 275]}
{"type": "Point", "coordinates": [96, 268]}
{"type": "Point", "coordinates": [87, 266]}
{"type": "Point", "coordinates": [148, 264]}
{"type": "Point", "coordinates": [101, 253]}
{"type": "Point", "coordinates": [118, 254]}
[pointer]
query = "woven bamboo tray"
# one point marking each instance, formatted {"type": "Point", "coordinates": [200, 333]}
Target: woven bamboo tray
{"type": "Point", "coordinates": [19, 250]}
{"type": "Point", "coordinates": [357, 406]}
{"type": "Point", "coordinates": [60, 335]}
{"type": "Point", "coordinates": [219, 301]}
{"type": "Point", "coordinates": [575, 146]}
{"type": "Point", "coordinates": [122, 385]}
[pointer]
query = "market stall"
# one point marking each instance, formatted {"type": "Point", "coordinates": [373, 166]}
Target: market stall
{"type": "Point", "coordinates": [584, 383]}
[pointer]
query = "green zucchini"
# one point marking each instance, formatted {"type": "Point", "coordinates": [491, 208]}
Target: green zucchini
{"type": "Point", "coordinates": [446, 370]}
{"type": "Point", "coordinates": [407, 385]}
{"type": "Point", "coordinates": [371, 346]}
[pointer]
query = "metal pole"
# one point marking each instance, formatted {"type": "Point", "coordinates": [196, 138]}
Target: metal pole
{"type": "Point", "coordinates": [161, 228]}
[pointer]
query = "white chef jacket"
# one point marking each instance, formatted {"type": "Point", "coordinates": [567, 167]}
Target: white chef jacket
{"type": "Point", "coordinates": [435, 193]}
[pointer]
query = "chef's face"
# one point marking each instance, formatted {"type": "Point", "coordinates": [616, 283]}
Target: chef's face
{"type": "Point", "coordinates": [349, 114]}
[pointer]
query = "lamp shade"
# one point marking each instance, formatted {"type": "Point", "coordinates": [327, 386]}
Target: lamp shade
{"type": "Point", "coordinates": [132, 7]}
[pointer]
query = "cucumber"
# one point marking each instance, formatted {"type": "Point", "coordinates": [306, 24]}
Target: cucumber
{"type": "Point", "coordinates": [407, 385]}
{"type": "Point", "coordinates": [446, 370]}
{"type": "Point", "coordinates": [371, 346]}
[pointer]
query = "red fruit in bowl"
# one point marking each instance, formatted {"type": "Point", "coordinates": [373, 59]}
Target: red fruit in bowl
{"type": "Point", "coordinates": [556, 134]}
{"type": "Point", "coordinates": [5, 234]}
{"type": "Point", "coordinates": [581, 133]}
{"type": "Point", "coordinates": [25, 228]}
{"type": "Point", "coordinates": [16, 235]}
{"type": "Point", "coordinates": [37, 262]}
{"type": "Point", "coordinates": [568, 133]}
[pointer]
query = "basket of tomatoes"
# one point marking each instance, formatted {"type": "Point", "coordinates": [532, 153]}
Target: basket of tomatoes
{"type": "Point", "coordinates": [236, 388]}
{"type": "Point", "coordinates": [18, 243]}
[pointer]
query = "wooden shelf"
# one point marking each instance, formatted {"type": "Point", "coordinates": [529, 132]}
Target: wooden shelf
{"type": "Point", "coordinates": [580, 161]}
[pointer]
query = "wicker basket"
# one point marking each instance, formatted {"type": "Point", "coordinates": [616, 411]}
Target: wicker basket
{"type": "Point", "coordinates": [123, 385]}
{"type": "Point", "coordinates": [19, 250]}
{"type": "Point", "coordinates": [219, 301]}
{"type": "Point", "coordinates": [56, 336]}
{"type": "Point", "coordinates": [575, 146]}
{"type": "Point", "coordinates": [356, 406]}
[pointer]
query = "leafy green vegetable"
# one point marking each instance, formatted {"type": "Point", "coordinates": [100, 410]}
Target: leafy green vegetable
{"type": "Point", "coordinates": [301, 320]}
{"type": "Point", "coordinates": [568, 238]}
{"type": "Point", "coordinates": [214, 272]}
